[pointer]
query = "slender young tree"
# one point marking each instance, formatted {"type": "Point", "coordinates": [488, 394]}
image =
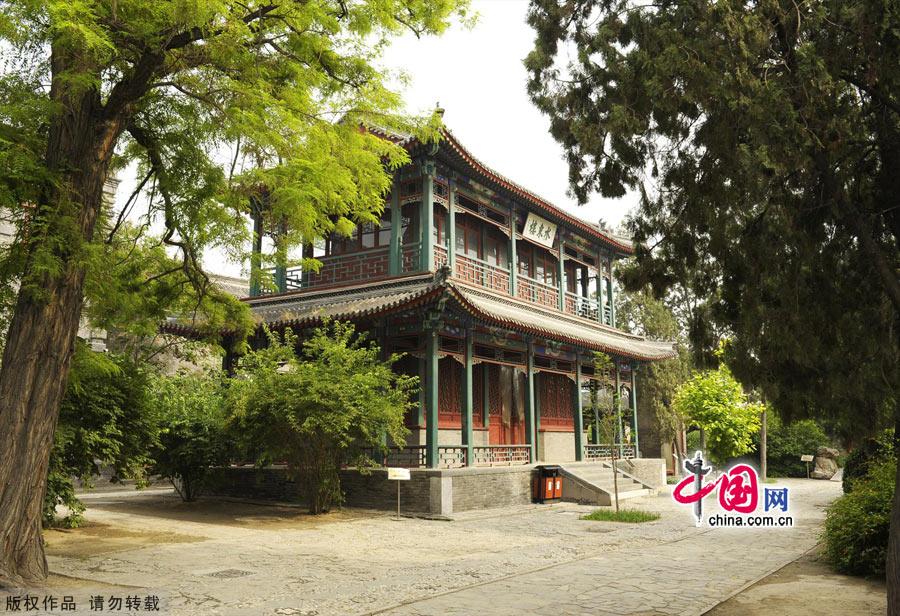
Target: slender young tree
{"type": "Point", "coordinates": [92, 84]}
{"type": "Point", "coordinates": [765, 140]}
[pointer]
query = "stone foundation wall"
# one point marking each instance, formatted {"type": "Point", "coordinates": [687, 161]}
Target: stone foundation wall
{"type": "Point", "coordinates": [429, 491]}
{"type": "Point", "coordinates": [556, 446]}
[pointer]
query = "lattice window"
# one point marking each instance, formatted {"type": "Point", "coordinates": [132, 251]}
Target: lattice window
{"type": "Point", "coordinates": [449, 390]}
{"type": "Point", "coordinates": [555, 391]}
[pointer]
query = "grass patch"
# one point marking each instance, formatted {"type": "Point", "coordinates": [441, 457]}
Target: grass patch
{"type": "Point", "coordinates": [631, 516]}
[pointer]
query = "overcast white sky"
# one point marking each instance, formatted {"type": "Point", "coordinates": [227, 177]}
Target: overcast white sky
{"type": "Point", "coordinates": [478, 77]}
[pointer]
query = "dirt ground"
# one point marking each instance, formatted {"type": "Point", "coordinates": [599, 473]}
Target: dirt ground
{"type": "Point", "coordinates": [806, 586]}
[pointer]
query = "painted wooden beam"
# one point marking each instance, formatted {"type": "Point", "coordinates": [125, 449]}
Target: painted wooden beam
{"type": "Point", "coordinates": [561, 280]}
{"type": "Point", "coordinates": [576, 411]}
{"type": "Point", "coordinates": [634, 409]}
{"type": "Point", "coordinates": [468, 435]}
{"type": "Point", "coordinates": [529, 404]}
{"type": "Point", "coordinates": [427, 216]}
{"type": "Point", "coordinates": [395, 256]}
{"type": "Point", "coordinates": [431, 398]}
{"type": "Point", "coordinates": [513, 257]}
{"type": "Point", "coordinates": [451, 227]}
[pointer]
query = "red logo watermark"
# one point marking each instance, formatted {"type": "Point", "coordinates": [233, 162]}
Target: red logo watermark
{"type": "Point", "coordinates": [738, 492]}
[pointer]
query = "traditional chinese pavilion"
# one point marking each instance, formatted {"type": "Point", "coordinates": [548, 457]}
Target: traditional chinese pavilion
{"type": "Point", "coordinates": [499, 300]}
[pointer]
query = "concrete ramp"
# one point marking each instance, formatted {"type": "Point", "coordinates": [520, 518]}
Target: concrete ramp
{"type": "Point", "coordinates": [591, 483]}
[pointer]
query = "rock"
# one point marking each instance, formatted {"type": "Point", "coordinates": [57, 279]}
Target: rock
{"type": "Point", "coordinates": [825, 463]}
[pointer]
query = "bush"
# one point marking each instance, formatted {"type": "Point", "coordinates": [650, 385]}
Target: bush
{"type": "Point", "coordinates": [192, 417]}
{"type": "Point", "coordinates": [714, 401]}
{"type": "Point", "coordinates": [872, 450]}
{"type": "Point", "coordinates": [857, 524]}
{"type": "Point", "coordinates": [786, 443]}
{"type": "Point", "coordinates": [104, 421]}
{"type": "Point", "coordinates": [320, 410]}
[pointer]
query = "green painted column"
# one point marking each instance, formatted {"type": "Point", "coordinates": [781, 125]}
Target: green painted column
{"type": "Point", "coordinates": [427, 217]}
{"type": "Point", "coordinates": [612, 294]}
{"type": "Point", "coordinates": [513, 257]}
{"type": "Point", "coordinates": [529, 403]}
{"type": "Point", "coordinates": [561, 280]}
{"type": "Point", "coordinates": [304, 272]}
{"type": "Point", "coordinates": [634, 411]}
{"type": "Point", "coordinates": [485, 395]}
{"type": "Point", "coordinates": [395, 256]}
{"type": "Point", "coordinates": [576, 411]}
{"type": "Point", "coordinates": [256, 255]}
{"type": "Point", "coordinates": [618, 404]}
{"type": "Point", "coordinates": [431, 398]}
{"type": "Point", "coordinates": [537, 414]}
{"type": "Point", "coordinates": [468, 435]}
{"type": "Point", "coordinates": [281, 259]}
{"type": "Point", "coordinates": [451, 227]}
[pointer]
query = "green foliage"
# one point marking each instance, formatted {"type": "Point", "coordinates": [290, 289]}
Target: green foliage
{"type": "Point", "coordinates": [105, 421]}
{"type": "Point", "coordinates": [871, 451]}
{"type": "Point", "coordinates": [657, 382]}
{"type": "Point", "coordinates": [321, 409]}
{"type": "Point", "coordinates": [631, 516]}
{"type": "Point", "coordinates": [785, 443]}
{"type": "Point", "coordinates": [191, 412]}
{"type": "Point", "coordinates": [857, 524]}
{"type": "Point", "coordinates": [224, 108]}
{"type": "Point", "coordinates": [763, 140]}
{"type": "Point", "coordinates": [714, 401]}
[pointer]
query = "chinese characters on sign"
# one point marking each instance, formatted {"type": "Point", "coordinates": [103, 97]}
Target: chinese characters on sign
{"type": "Point", "coordinates": [738, 493]}
{"type": "Point", "coordinates": [539, 230]}
{"type": "Point", "coordinates": [95, 603]}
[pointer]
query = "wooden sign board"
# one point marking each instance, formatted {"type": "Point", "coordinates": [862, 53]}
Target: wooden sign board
{"type": "Point", "coordinates": [806, 458]}
{"type": "Point", "coordinates": [398, 474]}
{"type": "Point", "coordinates": [539, 230]}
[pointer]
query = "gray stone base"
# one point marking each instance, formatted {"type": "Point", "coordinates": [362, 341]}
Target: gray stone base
{"type": "Point", "coordinates": [433, 492]}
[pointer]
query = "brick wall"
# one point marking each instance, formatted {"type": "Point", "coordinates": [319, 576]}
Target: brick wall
{"type": "Point", "coordinates": [491, 487]}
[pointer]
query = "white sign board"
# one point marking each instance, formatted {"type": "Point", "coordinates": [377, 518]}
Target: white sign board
{"type": "Point", "coordinates": [398, 474]}
{"type": "Point", "coordinates": [539, 230]}
{"type": "Point", "coordinates": [806, 458]}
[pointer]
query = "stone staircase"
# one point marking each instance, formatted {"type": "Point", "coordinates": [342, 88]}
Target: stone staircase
{"type": "Point", "coordinates": [591, 483]}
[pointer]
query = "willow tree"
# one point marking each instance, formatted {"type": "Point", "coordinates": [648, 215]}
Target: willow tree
{"type": "Point", "coordinates": [765, 140]}
{"type": "Point", "coordinates": [177, 87]}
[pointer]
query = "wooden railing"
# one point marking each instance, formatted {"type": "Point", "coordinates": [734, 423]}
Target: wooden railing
{"type": "Point", "coordinates": [578, 305]}
{"type": "Point", "coordinates": [452, 457]}
{"type": "Point", "coordinates": [410, 456]}
{"type": "Point", "coordinates": [440, 257]}
{"type": "Point", "coordinates": [482, 273]}
{"type": "Point", "coordinates": [411, 257]}
{"type": "Point", "coordinates": [500, 455]}
{"type": "Point", "coordinates": [537, 292]}
{"type": "Point", "coordinates": [604, 451]}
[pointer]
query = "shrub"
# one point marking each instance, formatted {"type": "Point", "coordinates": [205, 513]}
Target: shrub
{"type": "Point", "coordinates": [872, 450]}
{"type": "Point", "coordinates": [322, 409]}
{"type": "Point", "coordinates": [857, 524]}
{"type": "Point", "coordinates": [786, 443]}
{"type": "Point", "coordinates": [714, 401]}
{"type": "Point", "coordinates": [104, 421]}
{"type": "Point", "coordinates": [191, 410]}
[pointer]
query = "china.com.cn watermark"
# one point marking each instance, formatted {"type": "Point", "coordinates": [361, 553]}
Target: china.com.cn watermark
{"type": "Point", "coordinates": [738, 494]}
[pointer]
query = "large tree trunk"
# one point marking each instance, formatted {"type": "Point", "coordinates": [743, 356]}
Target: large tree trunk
{"type": "Point", "coordinates": [42, 332]}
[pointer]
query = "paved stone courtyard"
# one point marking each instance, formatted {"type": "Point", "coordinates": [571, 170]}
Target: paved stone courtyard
{"type": "Point", "coordinates": [225, 557]}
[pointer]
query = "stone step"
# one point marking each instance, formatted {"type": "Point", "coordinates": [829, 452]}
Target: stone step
{"type": "Point", "coordinates": [595, 484]}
